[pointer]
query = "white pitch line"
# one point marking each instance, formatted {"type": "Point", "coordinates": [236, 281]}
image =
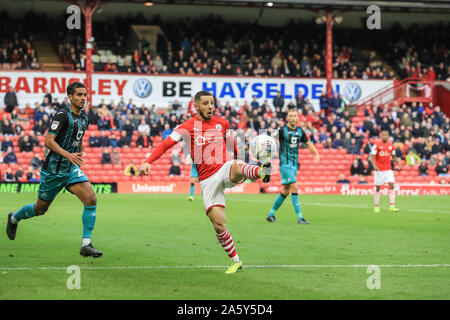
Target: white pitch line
{"type": "Point", "coordinates": [245, 266]}
{"type": "Point", "coordinates": [344, 206]}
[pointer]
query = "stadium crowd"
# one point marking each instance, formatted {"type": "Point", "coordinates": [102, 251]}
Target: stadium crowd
{"type": "Point", "coordinates": [421, 134]}
{"type": "Point", "coordinates": [189, 46]}
{"type": "Point", "coordinates": [16, 49]}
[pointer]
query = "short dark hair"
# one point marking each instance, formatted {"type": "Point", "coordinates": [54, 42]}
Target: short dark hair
{"type": "Point", "coordinates": [200, 94]}
{"type": "Point", "coordinates": [74, 85]}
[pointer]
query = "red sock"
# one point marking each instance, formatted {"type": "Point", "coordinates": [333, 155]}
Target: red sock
{"type": "Point", "coordinates": [227, 243]}
{"type": "Point", "coordinates": [250, 171]}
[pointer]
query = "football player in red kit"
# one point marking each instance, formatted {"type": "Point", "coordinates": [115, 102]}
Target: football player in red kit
{"type": "Point", "coordinates": [208, 136]}
{"type": "Point", "coordinates": [380, 157]}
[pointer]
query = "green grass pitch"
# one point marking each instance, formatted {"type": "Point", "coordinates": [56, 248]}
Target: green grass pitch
{"type": "Point", "coordinates": [164, 247]}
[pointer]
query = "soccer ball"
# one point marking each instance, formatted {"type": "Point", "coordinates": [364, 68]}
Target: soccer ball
{"type": "Point", "coordinates": [262, 147]}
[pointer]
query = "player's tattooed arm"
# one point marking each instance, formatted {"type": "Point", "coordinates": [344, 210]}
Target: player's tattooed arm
{"type": "Point", "coordinates": [75, 158]}
{"type": "Point", "coordinates": [397, 160]}
{"type": "Point", "coordinates": [370, 158]}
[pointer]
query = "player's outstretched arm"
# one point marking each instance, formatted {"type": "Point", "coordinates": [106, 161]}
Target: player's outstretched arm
{"type": "Point", "coordinates": [75, 158]}
{"type": "Point", "coordinates": [314, 151]}
{"type": "Point", "coordinates": [156, 154]}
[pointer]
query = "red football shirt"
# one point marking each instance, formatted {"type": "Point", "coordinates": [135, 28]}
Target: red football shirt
{"type": "Point", "coordinates": [207, 141]}
{"type": "Point", "coordinates": [383, 152]}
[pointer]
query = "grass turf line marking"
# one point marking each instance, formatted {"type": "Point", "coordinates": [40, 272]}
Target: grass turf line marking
{"type": "Point", "coordinates": [345, 206]}
{"type": "Point", "coordinates": [245, 266]}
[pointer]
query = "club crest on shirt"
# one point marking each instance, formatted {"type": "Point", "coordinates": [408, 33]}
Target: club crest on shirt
{"type": "Point", "coordinates": [55, 125]}
{"type": "Point", "coordinates": [218, 127]}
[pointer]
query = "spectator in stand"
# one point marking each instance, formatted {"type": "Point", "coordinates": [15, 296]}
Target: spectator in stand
{"type": "Point", "coordinates": [36, 162]}
{"type": "Point", "coordinates": [9, 176]}
{"type": "Point", "coordinates": [39, 114]}
{"type": "Point", "coordinates": [39, 128]}
{"type": "Point", "coordinates": [441, 169]}
{"type": "Point", "coordinates": [155, 130]}
{"type": "Point", "coordinates": [125, 140]}
{"type": "Point", "coordinates": [143, 126]}
{"type": "Point", "coordinates": [46, 121]}
{"type": "Point", "coordinates": [446, 159]}
{"type": "Point", "coordinates": [47, 96]}
{"type": "Point", "coordinates": [338, 143]}
{"type": "Point", "coordinates": [114, 141]}
{"type": "Point", "coordinates": [278, 101]}
{"type": "Point", "coordinates": [323, 136]}
{"type": "Point", "coordinates": [362, 180]}
{"type": "Point", "coordinates": [19, 174]}
{"type": "Point", "coordinates": [328, 144]}
{"type": "Point", "coordinates": [7, 128]}
{"type": "Point", "coordinates": [10, 156]}
{"type": "Point", "coordinates": [34, 178]}
{"type": "Point", "coordinates": [128, 128]}
{"type": "Point", "coordinates": [103, 124]}
{"type": "Point", "coordinates": [104, 140]}
{"type": "Point", "coordinates": [34, 140]}
{"type": "Point", "coordinates": [94, 141]}
{"type": "Point", "coordinates": [342, 179]}
{"type": "Point", "coordinates": [176, 105]}
{"type": "Point", "coordinates": [106, 156]}
{"type": "Point", "coordinates": [175, 155]}
{"type": "Point", "coordinates": [366, 168]}
{"type": "Point", "coordinates": [115, 156]}
{"type": "Point", "coordinates": [324, 102]}
{"type": "Point", "coordinates": [10, 100]}
{"type": "Point", "coordinates": [353, 148]}
{"type": "Point", "coordinates": [355, 168]}
{"type": "Point", "coordinates": [254, 104]}
{"type": "Point", "coordinates": [412, 158]}
{"type": "Point", "coordinates": [29, 173]}
{"type": "Point", "coordinates": [7, 143]}
{"type": "Point", "coordinates": [144, 141]}
{"type": "Point", "coordinates": [335, 103]}
{"type": "Point", "coordinates": [300, 102]}
{"type": "Point", "coordinates": [423, 169]}
{"type": "Point", "coordinates": [166, 132]}
{"type": "Point", "coordinates": [175, 169]}
{"type": "Point", "coordinates": [131, 169]}
{"type": "Point", "coordinates": [26, 145]}
{"type": "Point", "coordinates": [436, 147]}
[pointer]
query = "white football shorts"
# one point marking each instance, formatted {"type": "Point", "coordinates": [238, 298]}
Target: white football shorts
{"type": "Point", "coordinates": [382, 177]}
{"type": "Point", "coordinates": [213, 188]}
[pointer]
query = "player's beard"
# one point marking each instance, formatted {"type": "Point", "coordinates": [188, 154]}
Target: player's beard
{"type": "Point", "coordinates": [206, 115]}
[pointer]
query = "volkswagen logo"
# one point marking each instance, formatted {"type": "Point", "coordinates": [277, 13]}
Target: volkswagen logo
{"type": "Point", "coordinates": [352, 91]}
{"type": "Point", "coordinates": [142, 88]}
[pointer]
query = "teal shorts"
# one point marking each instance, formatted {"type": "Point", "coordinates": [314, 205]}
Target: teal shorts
{"type": "Point", "coordinates": [288, 174]}
{"type": "Point", "coordinates": [194, 172]}
{"type": "Point", "coordinates": [51, 184]}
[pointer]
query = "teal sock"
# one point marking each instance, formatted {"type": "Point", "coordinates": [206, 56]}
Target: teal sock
{"type": "Point", "coordinates": [89, 215]}
{"type": "Point", "coordinates": [191, 193]}
{"type": "Point", "coordinates": [25, 212]}
{"type": "Point", "coordinates": [278, 202]}
{"type": "Point", "coordinates": [296, 204]}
